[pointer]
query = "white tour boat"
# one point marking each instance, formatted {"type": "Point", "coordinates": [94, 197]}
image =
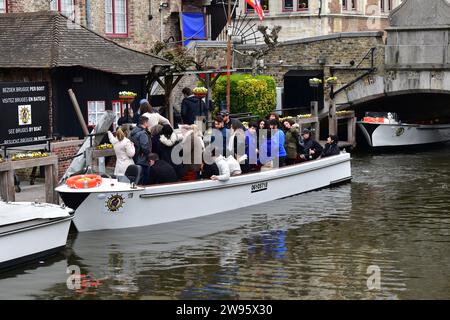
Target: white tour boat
{"type": "Point", "coordinates": [30, 231]}
{"type": "Point", "coordinates": [384, 130]}
{"type": "Point", "coordinates": [116, 205]}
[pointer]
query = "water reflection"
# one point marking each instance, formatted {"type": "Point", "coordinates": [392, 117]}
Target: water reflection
{"type": "Point", "coordinates": [317, 245]}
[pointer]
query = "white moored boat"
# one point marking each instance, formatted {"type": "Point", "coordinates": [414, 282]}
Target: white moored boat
{"type": "Point", "coordinates": [30, 231]}
{"type": "Point", "coordinates": [116, 205]}
{"type": "Point", "coordinates": [384, 130]}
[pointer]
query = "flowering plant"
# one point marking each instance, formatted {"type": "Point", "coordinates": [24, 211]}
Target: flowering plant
{"type": "Point", "coordinates": [315, 81]}
{"type": "Point", "coordinates": [343, 112]}
{"type": "Point", "coordinates": [127, 94]}
{"type": "Point", "coordinates": [331, 80]}
{"type": "Point", "coordinates": [29, 155]}
{"type": "Point", "coordinates": [200, 91]}
{"type": "Point", "coordinates": [104, 146]}
{"type": "Point", "coordinates": [286, 118]}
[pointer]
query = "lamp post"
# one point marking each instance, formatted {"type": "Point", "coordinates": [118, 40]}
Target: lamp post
{"type": "Point", "coordinates": [229, 34]}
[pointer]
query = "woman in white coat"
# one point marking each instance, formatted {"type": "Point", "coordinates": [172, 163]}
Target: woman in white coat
{"type": "Point", "coordinates": [124, 150]}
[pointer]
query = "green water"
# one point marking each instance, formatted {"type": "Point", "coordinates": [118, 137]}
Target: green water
{"type": "Point", "coordinates": [394, 215]}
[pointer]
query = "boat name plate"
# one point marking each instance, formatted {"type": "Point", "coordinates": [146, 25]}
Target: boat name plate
{"type": "Point", "coordinates": [260, 186]}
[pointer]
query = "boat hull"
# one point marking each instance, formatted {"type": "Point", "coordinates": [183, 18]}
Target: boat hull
{"type": "Point", "coordinates": [101, 209]}
{"type": "Point", "coordinates": [398, 135]}
{"type": "Point", "coordinates": [32, 240]}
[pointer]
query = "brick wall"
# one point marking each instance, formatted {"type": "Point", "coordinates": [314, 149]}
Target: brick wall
{"type": "Point", "coordinates": [65, 149]}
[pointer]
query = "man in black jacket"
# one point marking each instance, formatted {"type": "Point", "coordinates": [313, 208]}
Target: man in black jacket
{"type": "Point", "coordinates": [228, 121]}
{"type": "Point", "coordinates": [191, 107]}
{"type": "Point", "coordinates": [311, 149]}
{"type": "Point", "coordinates": [142, 145]}
{"type": "Point", "coordinates": [160, 171]}
{"type": "Point", "coordinates": [331, 147]}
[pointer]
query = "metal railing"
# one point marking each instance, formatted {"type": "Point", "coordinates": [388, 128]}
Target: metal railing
{"type": "Point", "coordinates": [6, 146]}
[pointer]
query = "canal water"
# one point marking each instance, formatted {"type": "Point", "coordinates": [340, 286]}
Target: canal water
{"type": "Point", "coordinates": [385, 235]}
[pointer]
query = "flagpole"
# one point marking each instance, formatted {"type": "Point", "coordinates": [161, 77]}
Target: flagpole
{"type": "Point", "coordinates": [229, 57]}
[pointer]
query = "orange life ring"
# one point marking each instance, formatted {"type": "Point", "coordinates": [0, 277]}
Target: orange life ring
{"type": "Point", "coordinates": [84, 181]}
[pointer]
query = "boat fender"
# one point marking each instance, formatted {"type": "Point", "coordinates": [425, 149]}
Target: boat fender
{"type": "Point", "coordinates": [84, 181]}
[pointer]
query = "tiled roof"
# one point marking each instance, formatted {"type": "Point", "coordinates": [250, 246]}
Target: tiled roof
{"type": "Point", "coordinates": [48, 40]}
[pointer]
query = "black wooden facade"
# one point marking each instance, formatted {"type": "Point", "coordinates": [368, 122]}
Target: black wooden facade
{"type": "Point", "coordinates": [88, 85]}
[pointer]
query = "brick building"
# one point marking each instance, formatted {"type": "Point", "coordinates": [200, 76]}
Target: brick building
{"type": "Point", "coordinates": [136, 24]}
{"type": "Point", "coordinates": [310, 18]}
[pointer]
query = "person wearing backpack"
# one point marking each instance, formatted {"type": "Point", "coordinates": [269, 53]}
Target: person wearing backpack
{"type": "Point", "coordinates": [140, 138]}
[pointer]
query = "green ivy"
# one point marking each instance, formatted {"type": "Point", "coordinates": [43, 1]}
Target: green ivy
{"type": "Point", "coordinates": [256, 95]}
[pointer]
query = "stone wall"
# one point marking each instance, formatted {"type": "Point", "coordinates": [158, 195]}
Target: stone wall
{"type": "Point", "coordinates": [144, 24]}
{"type": "Point", "coordinates": [28, 6]}
{"type": "Point", "coordinates": [341, 53]}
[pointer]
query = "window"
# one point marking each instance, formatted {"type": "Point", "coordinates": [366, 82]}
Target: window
{"type": "Point", "coordinates": [116, 17]}
{"type": "Point", "coordinates": [117, 109]}
{"type": "Point", "coordinates": [264, 4]}
{"type": "Point", "coordinates": [65, 7]}
{"type": "Point", "coordinates": [349, 5]}
{"type": "Point", "coordinates": [95, 110]}
{"type": "Point", "coordinates": [288, 5]}
{"type": "Point", "coordinates": [385, 5]}
{"type": "Point", "coordinates": [303, 5]}
{"type": "Point", "coordinates": [3, 6]}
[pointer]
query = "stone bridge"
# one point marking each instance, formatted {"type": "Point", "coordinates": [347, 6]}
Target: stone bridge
{"type": "Point", "coordinates": [414, 77]}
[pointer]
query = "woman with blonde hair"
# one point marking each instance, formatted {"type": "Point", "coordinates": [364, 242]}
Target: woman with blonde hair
{"type": "Point", "coordinates": [124, 150]}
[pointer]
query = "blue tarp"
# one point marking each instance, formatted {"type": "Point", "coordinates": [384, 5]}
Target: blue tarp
{"type": "Point", "coordinates": [193, 26]}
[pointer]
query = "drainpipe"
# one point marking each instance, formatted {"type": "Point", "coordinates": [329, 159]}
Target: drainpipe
{"type": "Point", "coordinates": [320, 9]}
{"type": "Point", "coordinates": [161, 25]}
{"type": "Point", "coordinates": [88, 15]}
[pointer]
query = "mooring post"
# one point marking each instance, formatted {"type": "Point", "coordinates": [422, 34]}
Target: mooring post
{"type": "Point", "coordinates": [332, 121]}
{"type": "Point", "coordinates": [351, 131]}
{"type": "Point", "coordinates": [78, 112]}
{"type": "Point", "coordinates": [315, 114]}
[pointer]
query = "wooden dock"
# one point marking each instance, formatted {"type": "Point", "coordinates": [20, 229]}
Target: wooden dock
{"type": "Point", "coordinates": [8, 167]}
{"type": "Point", "coordinates": [314, 123]}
